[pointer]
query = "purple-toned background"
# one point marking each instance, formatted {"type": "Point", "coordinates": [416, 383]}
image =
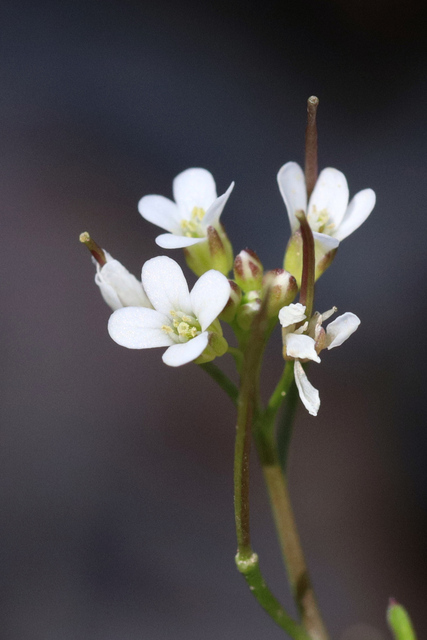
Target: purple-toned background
{"type": "Point", "coordinates": [116, 471]}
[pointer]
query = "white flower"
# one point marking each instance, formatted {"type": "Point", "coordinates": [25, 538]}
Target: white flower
{"type": "Point", "coordinates": [118, 287]}
{"type": "Point", "coordinates": [179, 319]}
{"type": "Point", "coordinates": [306, 341]}
{"type": "Point", "coordinates": [196, 207]}
{"type": "Point", "coordinates": [329, 213]}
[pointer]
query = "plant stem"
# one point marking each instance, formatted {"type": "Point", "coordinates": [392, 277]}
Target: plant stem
{"type": "Point", "coordinates": [247, 403]}
{"type": "Point", "coordinates": [282, 389]}
{"type": "Point", "coordinates": [285, 426]}
{"type": "Point", "coordinates": [223, 380]}
{"type": "Point", "coordinates": [248, 410]}
{"type": "Point", "coordinates": [292, 552]}
{"type": "Point", "coordinates": [250, 569]}
{"type": "Point", "coordinates": [238, 357]}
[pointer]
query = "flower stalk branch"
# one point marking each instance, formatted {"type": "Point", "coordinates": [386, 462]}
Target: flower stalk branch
{"type": "Point", "coordinates": [223, 381]}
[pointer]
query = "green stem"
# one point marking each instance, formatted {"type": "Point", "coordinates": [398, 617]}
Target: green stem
{"type": "Point", "coordinates": [223, 380]}
{"type": "Point", "coordinates": [238, 357]}
{"type": "Point", "coordinates": [281, 390]}
{"type": "Point", "coordinates": [292, 553]}
{"type": "Point", "coordinates": [248, 410]}
{"type": "Point", "coordinates": [249, 567]}
{"type": "Point", "coordinates": [285, 427]}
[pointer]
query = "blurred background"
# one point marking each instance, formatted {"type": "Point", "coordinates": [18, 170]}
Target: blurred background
{"type": "Point", "coordinates": [116, 510]}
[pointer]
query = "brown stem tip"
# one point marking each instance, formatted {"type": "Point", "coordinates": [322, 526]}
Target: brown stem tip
{"type": "Point", "coordinates": [311, 169]}
{"type": "Point", "coordinates": [93, 247]}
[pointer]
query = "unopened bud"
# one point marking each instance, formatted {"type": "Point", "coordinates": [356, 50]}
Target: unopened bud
{"type": "Point", "coordinates": [399, 621]}
{"type": "Point", "coordinates": [281, 289]}
{"type": "Point", "coordinates": [248, 310]}
{"type": "Point", "coordinates": [215, 252]}
{"type": "Point", "coordinates": [248, 270]}
{"type": "Point", "coordinates": [217, 346]}
{"type": "Point", "coordinates": [233, 303]}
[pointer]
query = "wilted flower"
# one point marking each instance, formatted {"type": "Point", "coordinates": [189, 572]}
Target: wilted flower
{"type": "Point", "coordinates": [303, 340]}
{"type": "Point", "coordinates": [183, 321]}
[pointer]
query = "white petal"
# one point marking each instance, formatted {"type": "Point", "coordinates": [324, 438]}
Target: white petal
{"type": "Point", "coordinates": [162, 212]}
{"type": "Point", "coordinates": [170, 241]}
{"type": "Point", "coordinates": [292, 314]}
{"type": "Point", "coordinates": [292, 187]}
{"type": "Point", "coordinates": [139, 328]}
{"type": "Point", "coordinates": [340, 329]}
{"type": "Point", "coordinates": [209, 296]}
{"type": "Point", "coordinates": [324, 243]}
{"type": "Point", "coordinates": [330, 194]}
{"type": "Point", "coordinates": [308, 394]}
{"type": "Point", "coordinates": [180, 354]}
{"type": "Point", "coordinates": [120, 288]}
{"type": "Point", "coordinates": [357, 211]}
{"type": "Point", "coordinates": [165, 285]}
{"type": "Point", "coordinates": [214, 212]}
{"type": "Point", "coordinates": [302, 347]}
{"type": "Point", "coordinates": [109, 295]}
{"type": "Point", "coordinates": [194, 188]}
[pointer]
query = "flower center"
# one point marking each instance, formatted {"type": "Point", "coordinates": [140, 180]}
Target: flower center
{"type": "Point", "coordinates": [183, 327]}
{"type": "Point", "coordinates": [193, 228]}
{"type": "Point", "coordinates": [318, 221]}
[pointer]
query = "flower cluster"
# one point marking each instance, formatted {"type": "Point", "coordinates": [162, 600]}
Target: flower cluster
{"type": "Point", "coordinates": [160, 311]}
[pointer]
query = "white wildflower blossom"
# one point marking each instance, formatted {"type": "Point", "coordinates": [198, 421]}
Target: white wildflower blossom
{"type": "Point", "coordinates": [179, 319]}
{"type": "Point", "coordinates": [329, 213]}
{"type": "Point", "coordinates": [196, 208]}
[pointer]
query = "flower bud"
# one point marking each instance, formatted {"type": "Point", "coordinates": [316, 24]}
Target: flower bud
{"type": "Point", "coordinates": [248, 270]}
{"type": "Point", "coordinates": [217, 345]}
{"type": "Point", "coordinates": [233, 303]}
{"type": "Point", "coordinates": [399, 621]}
{"type": "Point", "coordinates": [248, 310]}
{"type": "Point", "coordinates": [281, 288]}
{"type": "Point", "coordinates": [214, 253]}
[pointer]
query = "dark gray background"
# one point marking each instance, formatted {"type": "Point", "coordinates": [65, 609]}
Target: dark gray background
{"type": "Point", "coordinates": [116, 471]}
